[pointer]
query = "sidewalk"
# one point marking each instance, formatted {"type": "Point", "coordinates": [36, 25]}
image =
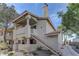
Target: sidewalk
{"type": "Point", "coordinates": [68, 51]}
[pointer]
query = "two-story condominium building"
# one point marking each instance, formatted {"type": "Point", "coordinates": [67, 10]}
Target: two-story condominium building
{"type": "Point", "coordinates": [32, 31]}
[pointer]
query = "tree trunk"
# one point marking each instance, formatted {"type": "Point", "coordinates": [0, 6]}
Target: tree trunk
{"type": "Point", "coordinates": [5, 31]}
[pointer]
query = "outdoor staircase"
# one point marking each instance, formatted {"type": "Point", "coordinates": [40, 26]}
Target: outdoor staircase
{"type": "Point", "coordinates": [51, 49]}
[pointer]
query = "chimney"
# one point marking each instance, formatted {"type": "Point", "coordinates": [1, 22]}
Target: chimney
{"type": "Point", "coordinates": [45, 10]}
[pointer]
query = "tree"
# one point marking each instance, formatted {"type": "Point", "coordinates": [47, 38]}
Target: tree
{"type": "Point", "coordinates": [7, 14]}
{"type": "Point", "coordinates": [70, 19]}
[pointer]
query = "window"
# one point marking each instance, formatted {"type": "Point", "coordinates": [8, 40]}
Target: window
{"type": "Point", "coordinates": [9, 42]}
{"type": "Point", "coordinates": [32, 41]}
{"type": "Point", "coordinates": [23, 41]}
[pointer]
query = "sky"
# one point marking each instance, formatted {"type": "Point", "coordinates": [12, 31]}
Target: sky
{"type": "Point", "coordinates": [36, 8]}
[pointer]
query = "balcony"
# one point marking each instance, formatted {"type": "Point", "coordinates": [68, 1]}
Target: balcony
{"type": "Point", "coordinates": [21, 32]}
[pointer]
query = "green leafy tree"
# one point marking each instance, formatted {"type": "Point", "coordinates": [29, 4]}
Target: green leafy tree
{"type": "Point", "coordinates": [7, 14]}
{"type": "Point", "coordinates": [70, 19]}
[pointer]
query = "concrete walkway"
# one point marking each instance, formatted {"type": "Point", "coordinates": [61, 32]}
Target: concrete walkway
{"type": "Point", "coordinates": [68, 51]}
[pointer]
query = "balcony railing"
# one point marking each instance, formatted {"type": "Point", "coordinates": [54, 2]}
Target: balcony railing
{"type": "Point", "coordinates": [25, 31]}
{"type": "Point", "coordinates": [20, 31]}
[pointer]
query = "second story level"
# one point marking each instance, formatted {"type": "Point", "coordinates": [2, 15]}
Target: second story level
{"type": "Point", "coordinates": [42, 24]}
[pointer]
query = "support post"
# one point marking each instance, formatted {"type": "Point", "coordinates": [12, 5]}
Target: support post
{"type": "Point", "coordinates": [28, 33]}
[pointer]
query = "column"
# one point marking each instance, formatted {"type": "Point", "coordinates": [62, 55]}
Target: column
{"type": "Point", "coordinates": [28, 46]}
{"type": "Point", "coordinates": [28, 29]}
{"type": "Point", "coordinates": [28, 33]}
{"type": "Point", "coordinates": [14, 38]}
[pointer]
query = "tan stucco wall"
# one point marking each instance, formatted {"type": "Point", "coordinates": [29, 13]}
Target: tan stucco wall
{"type": "Point", "coordinates": [48, 28]}
{"type": "Point", "coordinates": [53, 42]}
{"type": "Point", "coordinates": [60, 40]}
{"type": "Point", "coordinates": [41, 26]}
{"type": "Point", "coordinates": [44, 27]}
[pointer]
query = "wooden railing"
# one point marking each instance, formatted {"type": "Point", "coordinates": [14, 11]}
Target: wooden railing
{"type": "Point", "coordinates": [20, 31]}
